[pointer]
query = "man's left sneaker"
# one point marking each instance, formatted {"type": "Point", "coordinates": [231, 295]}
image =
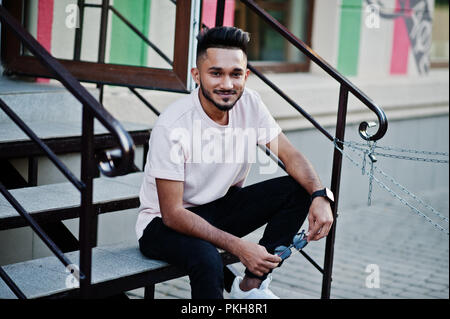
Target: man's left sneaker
{"type": "Point", "coordinates": [263, 292]}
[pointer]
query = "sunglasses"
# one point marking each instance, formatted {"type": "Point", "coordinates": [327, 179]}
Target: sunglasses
{"type": "Point", "coordinates": [298, 242]}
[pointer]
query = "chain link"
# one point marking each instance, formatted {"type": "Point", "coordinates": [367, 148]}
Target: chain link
{"type": "Point", "coordinates": [371, 175]}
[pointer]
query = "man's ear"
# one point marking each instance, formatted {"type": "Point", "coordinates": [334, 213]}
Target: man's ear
{"type": "Point", "coordinates": [196, 75]}
{"type": "Point", "coordinates": [247, 73]}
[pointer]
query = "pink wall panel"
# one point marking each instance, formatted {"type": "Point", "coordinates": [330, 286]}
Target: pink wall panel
{"type": "Point", "coordinates": [209, 13]}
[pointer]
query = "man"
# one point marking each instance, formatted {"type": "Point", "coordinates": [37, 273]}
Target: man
{"type": "Point", "coordinates": [193, 203]}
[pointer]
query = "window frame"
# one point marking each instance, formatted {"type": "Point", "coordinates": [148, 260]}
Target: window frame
{"type": "Point", "coordinates": [286, 66]}
{"type": "Point", "coordinates": [175, 79]}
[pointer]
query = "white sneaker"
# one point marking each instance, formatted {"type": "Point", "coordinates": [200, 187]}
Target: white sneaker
{"type": "Point", "coordinates": [263, 292]}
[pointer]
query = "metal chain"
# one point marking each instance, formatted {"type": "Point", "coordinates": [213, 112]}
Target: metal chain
{"type": "Point", "coordinates": [396, 149]}
{"type": "Point", "coordinates": [403, 150]}
{"type": "Point", "coordinates": [411, 158]}
{"type": "Point", "coordinates": [429, 160]}
{"type": "Point", "coordinates": [361, 146]}
{"type": "Point", "coordinates": [395, 195]}
{"type": "Point", "coordinates": [405, 190]}
{"type": "Point", "coordinates": [369, 154]}
{"type": "Point", "coordinates": [369, 196]}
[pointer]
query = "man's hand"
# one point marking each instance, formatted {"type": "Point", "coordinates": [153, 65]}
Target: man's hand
{"type": "Point", "coordinates": [256, 258]}
{"type": "Point", "coordinates": [320, 219]}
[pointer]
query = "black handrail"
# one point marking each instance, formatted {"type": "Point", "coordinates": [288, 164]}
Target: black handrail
{"type": "Point", "coordinates": [111, 163]}
{"type": "Point", "coordinates": [290, 101]}
{"type": "Point", "coordinates": [282, 30]}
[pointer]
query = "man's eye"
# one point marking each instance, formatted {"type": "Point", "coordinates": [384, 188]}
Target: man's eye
{"type": "Point", "coordinates": [215, 73]}
{"type": "Point", "coordinates": [237, 75]}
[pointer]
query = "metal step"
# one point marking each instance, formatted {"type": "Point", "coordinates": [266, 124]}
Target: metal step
{"type": "Point", "coordinates": [33, 101]}
{"type": "Point", "coordinates": [61, 201]}
{"type": "Point", "coordinates": [61, 137]}
{"type": "Point", "coordinates": [47, 276]}
{"type": "Point", "coordinates": [115, 268]}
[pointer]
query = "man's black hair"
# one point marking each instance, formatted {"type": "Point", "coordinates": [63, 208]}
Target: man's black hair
{"type": "Point", "coordinates": [222, 37]}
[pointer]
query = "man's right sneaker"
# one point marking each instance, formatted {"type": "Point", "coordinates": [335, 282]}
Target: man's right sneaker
{"type": "Point", "coordinates": [263, 292]}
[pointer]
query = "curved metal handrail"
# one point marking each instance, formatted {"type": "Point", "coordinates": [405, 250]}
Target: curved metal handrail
{"type": "Point", "coordinates": [110, 163]}
{"type": "Point", "coordinates": [382, 120]}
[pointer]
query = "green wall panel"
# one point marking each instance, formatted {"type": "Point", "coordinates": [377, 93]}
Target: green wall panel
{"type": "Point", "coordinates": [349, 37]}
{"type": "Point", "coordinates": [127, 47]}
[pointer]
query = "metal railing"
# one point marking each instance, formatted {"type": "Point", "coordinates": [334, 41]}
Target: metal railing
{"type": "Point", "coordinates": [111, 163]}
{"type": "Point", "coordinates": [346, 87]}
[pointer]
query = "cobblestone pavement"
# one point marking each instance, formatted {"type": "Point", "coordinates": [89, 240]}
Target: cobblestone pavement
{"type": "Point", "coordinates": [409, 254]}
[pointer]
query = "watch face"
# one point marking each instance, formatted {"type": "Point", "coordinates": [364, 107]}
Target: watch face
{"type": "Point", "coordinates": [329, 194]}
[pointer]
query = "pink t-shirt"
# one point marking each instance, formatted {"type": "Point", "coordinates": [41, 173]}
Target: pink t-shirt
{"type": "Point", "coordinates": [187, 145]}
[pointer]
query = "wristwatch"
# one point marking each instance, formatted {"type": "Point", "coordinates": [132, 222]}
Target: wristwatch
{"type": "Point", "coordinates": [327, 193]}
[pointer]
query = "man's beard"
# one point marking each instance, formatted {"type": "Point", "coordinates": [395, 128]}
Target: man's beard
{"type": "Point", "coordinates": [220, 106]}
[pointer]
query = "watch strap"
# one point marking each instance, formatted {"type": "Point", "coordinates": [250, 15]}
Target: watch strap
{"type": "Point", "coordinates": [322, 193]}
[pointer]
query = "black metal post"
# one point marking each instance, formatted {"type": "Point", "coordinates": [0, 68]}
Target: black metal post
{"type": "Point", "coordinates": [88, 219]}
{"type": "Point", "coordinates": [102, 40]}
{"type": "Point", "coordinates": [220, 12]}
{"type": "Point", "coordinates": [103, 31]}
{"type": "Point", "coordinates": [149, 292]}
{"type": "Point", "coordinates": [79, 32]}
{"type": "Point", "coordinates": [32, 171]}
{"type": "Point", "coordinates": [335, 184]}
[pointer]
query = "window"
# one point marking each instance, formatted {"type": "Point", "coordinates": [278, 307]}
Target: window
{"type": "Point", "coordinates": [439, 45]}
{"type": "Point", "coordinates": [268, 50]}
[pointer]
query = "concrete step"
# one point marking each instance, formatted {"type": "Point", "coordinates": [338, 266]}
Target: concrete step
{"type": "Point", "coordinates": [115, 268]}
{"type": "Point", "coordinates": [39, 102]}
{"type": "Point", "coordinates": [54, 115]}
{"type": "Point", "coordinates": [61, 201]}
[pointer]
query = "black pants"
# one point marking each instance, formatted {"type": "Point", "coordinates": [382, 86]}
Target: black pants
{"type": "Point", "coordinates": [280, 202]}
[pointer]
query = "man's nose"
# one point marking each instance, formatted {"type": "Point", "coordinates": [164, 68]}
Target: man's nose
{"type": "Point", "coordinates": [226, 83]}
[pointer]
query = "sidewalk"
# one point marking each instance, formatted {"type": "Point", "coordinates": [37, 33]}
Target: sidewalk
{"type": "Point", "coordinates": [411, 254]}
